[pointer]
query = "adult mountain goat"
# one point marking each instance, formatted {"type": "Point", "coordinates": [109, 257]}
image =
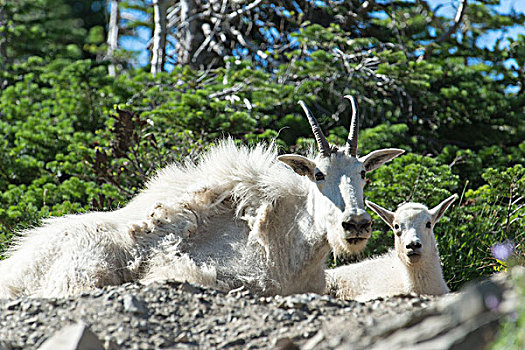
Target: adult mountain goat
{"type": "Point", "coordinates": [239, 217]}
{"type": "Point", "coordinates": [412, 267]}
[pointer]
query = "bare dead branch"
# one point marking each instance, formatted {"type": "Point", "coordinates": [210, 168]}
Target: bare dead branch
{"type": "Point", "coordinates": [113, 32]}
{"type": "Point", "coordinates": [460, 12]}
{"type": "Point", "coordinates": [239, 12]}
{"type": "Point", "coordinates": [158, 56]}
{"type": "Point", "coordinates": [233, 89]}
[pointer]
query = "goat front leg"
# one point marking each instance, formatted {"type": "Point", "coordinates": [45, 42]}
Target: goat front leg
{"type": "Point", "coordinates": [176, 218]}
{"type": "Point", "coordinates": [259, 226]}
{"type": "Point", "coordinates": [183, 217]}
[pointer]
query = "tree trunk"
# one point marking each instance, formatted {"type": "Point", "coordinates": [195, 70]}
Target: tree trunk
{"type": "Point", "coordinates": [3, 38]}
{"type": "Point", "coordinates": [113, 35]}
{"type": "Point", "coordinates": [190, 35]}
{"type": "Point", "coordinates": [158, 55]}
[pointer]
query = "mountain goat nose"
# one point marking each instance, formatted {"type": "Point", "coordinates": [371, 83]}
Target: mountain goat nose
{"type": "Point", "coordinates": [414, 245]}
{"type": "Point", "coordinates": [357, 224]}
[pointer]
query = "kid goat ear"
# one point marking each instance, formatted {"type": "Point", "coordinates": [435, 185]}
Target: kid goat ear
{"type": "Point", "coordinates": [438, 211]}
{"type": "Point", "coordinates": [386, 215]}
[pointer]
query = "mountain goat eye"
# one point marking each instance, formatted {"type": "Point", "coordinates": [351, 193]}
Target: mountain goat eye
{"type": "Point", "coordinates": [397, 230]}
{"type": "Point", "coordinates": [363, 174]}
{"type": "Point", "coordinates": [319, 176]}
{"type": "Point", "coordinates": [429, 224]}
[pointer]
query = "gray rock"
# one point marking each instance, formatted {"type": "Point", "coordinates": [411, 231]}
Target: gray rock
{"type": "Point", "coordinates": [134, 305]}
{"type": "Point", "coordinates": [285, 344]}
{"type": "Point", "coordinates": [4, 346]}
{"type": "Point", "coordinates": [467, 320]}
{"type": "Point", "coordinates": [297, 301]}
{"type": "Point", "coordinates": [189, 288]}
{"type": "Point", "coordinates": [73, 337]}
{"type": "Point", "coordinates": [13, 305]}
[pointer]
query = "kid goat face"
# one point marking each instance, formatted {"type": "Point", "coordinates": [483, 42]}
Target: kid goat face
{"type": "Point", "coordinates": [413, 225]}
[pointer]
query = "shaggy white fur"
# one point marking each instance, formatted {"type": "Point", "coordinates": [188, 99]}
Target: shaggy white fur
{"type": "Point", "coordinates": [413, 266]}
{"type": "Point", "coordinates": [237, 218]}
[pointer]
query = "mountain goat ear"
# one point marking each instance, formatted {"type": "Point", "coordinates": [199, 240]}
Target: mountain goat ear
{"type": "Point", "coordinates": [377, 158]}
{"type": "Point", "coordinates": [438, 211]}
{"type": "Point", "coordinates": [386, 215]}
{"type": "Point", "coordinates": [301, 165]}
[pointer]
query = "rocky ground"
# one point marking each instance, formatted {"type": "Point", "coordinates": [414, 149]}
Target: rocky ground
{"type": "Point", "coordinates": [177, 315]}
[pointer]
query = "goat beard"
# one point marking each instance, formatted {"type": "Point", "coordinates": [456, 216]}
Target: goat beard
{"type": "Point", "coordinates": [342, 246]}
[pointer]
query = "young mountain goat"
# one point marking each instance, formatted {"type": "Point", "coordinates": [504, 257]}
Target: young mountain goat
{"type": "Point", "coordinates": [414, 265]}
{"type": "Point", "coordinates": [240, 217]}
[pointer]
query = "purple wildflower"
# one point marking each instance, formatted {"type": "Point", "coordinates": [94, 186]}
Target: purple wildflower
{"type": "Point", "coordinates": [503, 251]}
{"type": "Point", "coordinates": [492, 302]}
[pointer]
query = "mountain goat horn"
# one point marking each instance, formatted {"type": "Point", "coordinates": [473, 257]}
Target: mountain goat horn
{"type": "Point", "coordinates": [354, 128]}
{"type": "Point", "coordinates": [322, 143]}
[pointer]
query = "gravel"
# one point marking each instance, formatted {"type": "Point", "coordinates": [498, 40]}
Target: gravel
{"type": "Point", "coordinates": [185, 316]}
